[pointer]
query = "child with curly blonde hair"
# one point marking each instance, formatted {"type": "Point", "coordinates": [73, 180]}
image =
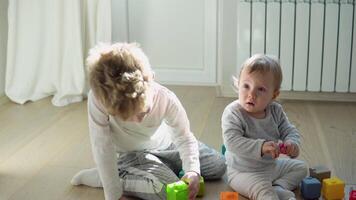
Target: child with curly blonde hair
{"type": "Point", "coordinates": [253, 125]}
{"type": "Point", "coordinates": [139, 131]}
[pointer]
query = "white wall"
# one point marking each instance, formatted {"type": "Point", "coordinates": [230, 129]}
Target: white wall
{"type": "Point", "coordinates": [3, 43]}
{"type": "Point", "coordinates": [227, 62]}
{"type": "Point", "coordinates": [178, 36]}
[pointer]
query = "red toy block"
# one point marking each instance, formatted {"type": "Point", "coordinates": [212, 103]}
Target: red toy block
{"type": "Point", "coordinates": [352, 195]}
{"type": "Point", "coordinates": [282, 148]}
{"type": "Point", "coordinates": [229, 196]}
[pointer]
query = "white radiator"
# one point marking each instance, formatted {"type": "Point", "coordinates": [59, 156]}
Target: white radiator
{"type": "Point", "coordinates": [314, 40]}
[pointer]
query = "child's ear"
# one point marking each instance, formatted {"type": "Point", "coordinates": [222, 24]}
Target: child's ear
{"type": "Point", "coordinates": [275, 94]}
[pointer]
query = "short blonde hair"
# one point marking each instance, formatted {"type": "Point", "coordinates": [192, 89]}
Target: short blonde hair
{"type": "Point", "coordinates": [263, 64]}
{"type": "Point", "coordinates": [119, 76]}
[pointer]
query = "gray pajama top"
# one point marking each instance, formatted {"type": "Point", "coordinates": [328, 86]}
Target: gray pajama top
{"type": "Point", "coordinates": [243, 136]}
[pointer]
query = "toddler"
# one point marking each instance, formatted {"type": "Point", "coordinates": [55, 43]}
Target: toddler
{"type": "Point", "coordinates": [139, 131]}
{"type": "Point", "coordinates": [253, 126]}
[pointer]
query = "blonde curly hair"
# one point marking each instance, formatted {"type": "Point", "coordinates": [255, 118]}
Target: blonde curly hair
{"type": "Point", "coordinates": [119, 75]}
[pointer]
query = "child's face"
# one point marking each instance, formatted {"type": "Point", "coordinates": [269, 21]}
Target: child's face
{"type": "Point", "coordinates": [146, 110]}
{"type": "Point", "coordinates": [256, 91]}
{"type": "Point", "coordinates": [139, 116]}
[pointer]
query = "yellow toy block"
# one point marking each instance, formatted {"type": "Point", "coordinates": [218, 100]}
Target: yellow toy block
{"type": "Point", "coordinates": [201, 187]}
{"type": "Point", "coordinates": [333, 188]}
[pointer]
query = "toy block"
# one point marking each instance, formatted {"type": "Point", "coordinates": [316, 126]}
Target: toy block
{"type": "Point", "coordinates": [310, 188]}
{"type": "Point", "coordinates": [333, 188]}
{"type": "Point", "coordinates": [201, 187]}
{"type": "Point", "coordinates": [201, 183]}
{"type": "Point", "coordinates": [229, 196]}
{"type": "Point", "coordinates": [352, 195]}
{"type": "Point", "coordinates": [223, 149]}
{"type": "Point", "coordinates": [282, 148]}
{"type": "Point", "coordinates": [319, 172]}
{"type": "Point", "coordinates": [177, 191]}
{"type": "Point", "coordinates": [181, 173]}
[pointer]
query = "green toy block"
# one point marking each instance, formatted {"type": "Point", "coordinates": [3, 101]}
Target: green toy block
{"type": "Point", "coordinates": [177, 191]}
{"type": "Point", "coordinates": [201, 183]}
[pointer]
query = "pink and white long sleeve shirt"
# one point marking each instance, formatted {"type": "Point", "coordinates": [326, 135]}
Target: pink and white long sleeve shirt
{"type": "Point", "coordinates": [166, 122]}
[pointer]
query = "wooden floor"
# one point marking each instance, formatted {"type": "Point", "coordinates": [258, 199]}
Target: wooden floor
{"type": "Point", "coordinates": [42, 146]}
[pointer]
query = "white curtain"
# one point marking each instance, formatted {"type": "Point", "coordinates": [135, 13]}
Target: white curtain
{"type": "Point", "coordinates": [48, 41]}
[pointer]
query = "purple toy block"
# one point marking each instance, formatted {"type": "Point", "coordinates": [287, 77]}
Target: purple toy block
{"type": "Point", "coordinates": [311, 188]}
{"type": "Point", "coordinates": [320, 172]}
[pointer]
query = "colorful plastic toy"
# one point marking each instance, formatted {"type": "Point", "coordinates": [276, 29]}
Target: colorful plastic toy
{"type": "Point", "coordinates": [320, 172]}
{"type": "Point", "coordinates": [201, 191]}
{"type": "Point", "coordinates": [352, 195]}
{"type": "Point", "coordinates": [177, 191]}
{"type": "Point", "coordinates": [223, 150]}
{"type": "Point", "coordinates": [310, 188]}
{"type": "Point", "coordinates": [229, 196]}
{"type": "Point", "coordinates": [333, 188]}
{"type": "Point", "coordinates": [282, 148]}
{"type": "Point", "coordinates": [201, 186]}
{"type": "Point", "coordinates": [181, 173]}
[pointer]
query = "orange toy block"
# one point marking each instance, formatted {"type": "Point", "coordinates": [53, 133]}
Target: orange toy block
{"type": "Point", "coordinates": [333, 188]}
{"type": "Point", "coordinates": [229, 196]}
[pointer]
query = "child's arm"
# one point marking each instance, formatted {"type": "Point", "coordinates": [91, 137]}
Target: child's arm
{"type": "Point", "coordinates": [103, 149]}
{"type": "Point", "coordinates": [184, 140]}
{"type": "Point", "coordinates": [233, 130]}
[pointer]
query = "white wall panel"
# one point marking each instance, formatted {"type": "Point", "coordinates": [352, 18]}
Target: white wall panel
{"type": "Point", "coordinates": [353, 59]}
{"type": "Point", "coordinates": [286, 53]}
{"type": "Point", "coordinates": [179, 37]}
{"type": "Point", "coordinates": [120, 23]}
{"type": "Point", "coordinates": [316, 47]}
{"type": "Point", "coordinates": [330, 46]}
{"type": "Point", "coordinates": [272, 29]}
{"type": "Point", "coordinates": [344, 48]}
{"type": "Point", "coordinates": [258, 28]}
{"type": "Point", "coordinates": [301, 47]}
{"type": "Point", "coordinates": [243, 33]}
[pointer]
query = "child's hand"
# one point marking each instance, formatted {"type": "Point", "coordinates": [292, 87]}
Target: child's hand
{"type": "Point", "coordinates": [292, 149]}
{"type": "Point", "coordinates": [270, 147]}
{"type": "Point", "coordinates": [192, 178]}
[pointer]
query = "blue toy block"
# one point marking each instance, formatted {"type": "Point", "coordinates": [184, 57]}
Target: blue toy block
{"type": "Point", "coordinates": [311, 188]}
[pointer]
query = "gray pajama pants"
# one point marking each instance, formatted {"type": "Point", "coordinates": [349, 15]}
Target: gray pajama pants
{"type": "Point", "coordinates": [145, 174]}
{"type": "Point", "coordinates": [287, 173]}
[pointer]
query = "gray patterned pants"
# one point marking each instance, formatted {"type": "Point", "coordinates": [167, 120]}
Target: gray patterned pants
{"type": "Point", "coordinates": [146, 173]}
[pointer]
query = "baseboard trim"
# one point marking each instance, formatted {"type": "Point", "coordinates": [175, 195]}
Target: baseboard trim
{"type": "Point", "coordinates": [296, 95]}
{"type": "Point", "coordinates": [319, 96]}
{"type": "Point", "coordinates": [4, 99]}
